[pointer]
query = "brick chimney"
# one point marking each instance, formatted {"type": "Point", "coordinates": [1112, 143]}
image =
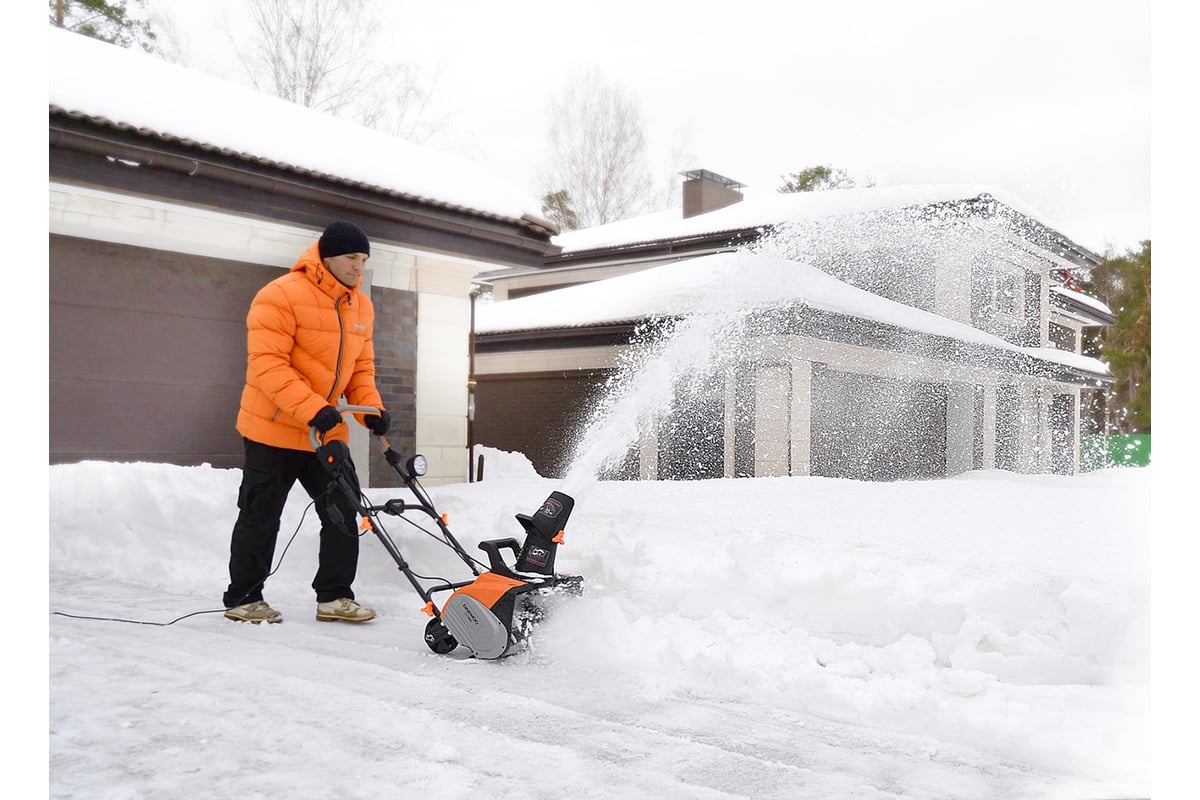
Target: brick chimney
{"type": "Point", "coordinates": [705, 191]}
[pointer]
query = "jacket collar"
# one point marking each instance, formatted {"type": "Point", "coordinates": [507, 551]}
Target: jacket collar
{"type": "Point", "coordinates": [310, 264]}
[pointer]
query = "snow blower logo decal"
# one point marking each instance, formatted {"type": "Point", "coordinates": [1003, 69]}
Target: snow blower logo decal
{"type": "Point", "coordinates": [538, 555]}
{"type": "Point", "coordinates": [550, 508]}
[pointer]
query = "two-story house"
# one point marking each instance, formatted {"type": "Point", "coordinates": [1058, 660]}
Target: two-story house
{"type": "Point", "coordinates": [882, 334]}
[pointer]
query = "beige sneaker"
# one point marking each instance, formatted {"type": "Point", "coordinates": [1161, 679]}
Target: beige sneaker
{"type": "Point", "coordinates": [345, 610]}
{"type": "Point", "coordinates": [254, 612]}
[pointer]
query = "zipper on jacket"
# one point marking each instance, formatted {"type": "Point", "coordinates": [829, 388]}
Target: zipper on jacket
{"type": "Point", "coordinates": [337, 372]}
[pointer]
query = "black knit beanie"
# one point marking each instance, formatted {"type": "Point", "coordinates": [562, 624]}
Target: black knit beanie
{"type": "Point", "coordinates": [343, 237]}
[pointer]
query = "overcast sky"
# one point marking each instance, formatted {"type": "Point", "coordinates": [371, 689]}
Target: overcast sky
{"type": "Point", "coordinates": [1046, 99]}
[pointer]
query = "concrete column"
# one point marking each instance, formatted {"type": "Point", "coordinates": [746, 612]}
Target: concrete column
{"type": "Point", "coordinates": [443, 288]}
{"type": "Point", "coordinates": [730, 420]}
{"type": "Point", "coordinates": [772, 413]}
{"type": "Point", "coordinates": [441, 385]}
{"type": "Point", "coordinates": [1077, 422]}
{"type": "Point", "coordinates": [1029, 439]}
{"type": "Point", "coordinates": [989, 426]}
{"type": "Point", "coordinates": [647, 453]}
{"type": "Point", "coordinates": [801, 417]}
{"type": "Point", "coordinates": [960, 428]}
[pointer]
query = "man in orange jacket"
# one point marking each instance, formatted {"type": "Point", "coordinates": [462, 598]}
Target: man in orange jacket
{"type": "Point", "coordinates": [309, 343]}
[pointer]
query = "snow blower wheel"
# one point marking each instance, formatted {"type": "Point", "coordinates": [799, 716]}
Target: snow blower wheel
{"type": "Point", "coordinates": [438, 638]}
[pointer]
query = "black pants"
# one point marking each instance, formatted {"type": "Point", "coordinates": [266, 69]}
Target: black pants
{"type": "Point", "coordinates": [267, 478]}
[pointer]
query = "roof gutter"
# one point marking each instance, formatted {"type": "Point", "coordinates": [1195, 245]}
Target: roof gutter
{"type": "Point", "coordinates": [706, 244]}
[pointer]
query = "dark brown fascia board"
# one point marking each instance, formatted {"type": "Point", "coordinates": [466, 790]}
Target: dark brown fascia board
{"type": "Point", "coordinates": [527, 239]}
{"type": "Point", "coordinates": [819, 324]}
{"type": "Point", "coordinates": [553, 265]}
{"type": "Point", "coordinates": [614, 333]}
{"type": "Point", "coordinates": [573, 372]}
{"type": "Point", "coordinates": [719, 242]}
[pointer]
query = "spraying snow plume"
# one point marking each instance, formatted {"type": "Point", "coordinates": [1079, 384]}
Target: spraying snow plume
{"type": "Point", "coordinates": [675, 392]}
{"type": "Point", "coordinates": [675, 364]}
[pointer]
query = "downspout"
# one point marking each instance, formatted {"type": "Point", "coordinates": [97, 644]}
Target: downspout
{"type": "Point", "coordinates": [471, 390]}
{"type": "Point", "coordinates": [477, 288]}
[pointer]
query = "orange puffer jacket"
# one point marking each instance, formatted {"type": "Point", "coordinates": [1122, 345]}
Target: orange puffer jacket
{"type": "Point", "coordinates": [308, 342]}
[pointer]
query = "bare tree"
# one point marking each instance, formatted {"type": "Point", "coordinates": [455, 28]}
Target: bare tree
{"type": "Point", "coordinates": [669, 191]}
{"type": "Point", "coordinates": [597, 151]}
{"type": "Point", "coordinates": [171, 44]}
{"type": "Point", "coordinates": [322, 54]}
{"type": "Point", "coordinates": [399, 103]}
{"type": "Point", "coordinates": [312, 52]}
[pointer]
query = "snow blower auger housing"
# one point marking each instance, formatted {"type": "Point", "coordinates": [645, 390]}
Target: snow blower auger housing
{"type": "Point", "coordinates": [493, 613]}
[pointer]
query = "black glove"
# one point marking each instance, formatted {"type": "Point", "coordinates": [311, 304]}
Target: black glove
{"type": "Point", "coordinates": [378, 424]}
{"type": "Point", "coordinates": [327, 418]}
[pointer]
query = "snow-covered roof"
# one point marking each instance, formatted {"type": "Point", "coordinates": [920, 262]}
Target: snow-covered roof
{"type": "Point", "coordinates": [732, 282]}
{"type": "Point", "coordinates": [133, 90]}
{"type": "Point", "coordinates": [1083, 299]}
{"type": "Point", "coordinates": [779, 208]}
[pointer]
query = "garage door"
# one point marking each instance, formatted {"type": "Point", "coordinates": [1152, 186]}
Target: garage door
{"type": "Point", "coordinates": [870, 427]}
{"type": "Point", "coordinates": [147, 353]}
{"type": "Point", "coordinates": [542, 417]}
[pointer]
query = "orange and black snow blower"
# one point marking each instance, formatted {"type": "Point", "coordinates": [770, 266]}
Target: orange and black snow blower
{"type": "Point", "coordinates": [492, 614]}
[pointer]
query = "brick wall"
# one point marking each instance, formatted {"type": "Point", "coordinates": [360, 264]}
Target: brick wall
{"type": "Point", "coordinates": [395, 375]}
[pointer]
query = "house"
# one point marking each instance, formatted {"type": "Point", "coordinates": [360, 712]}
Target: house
{"type": "Point", "coordinates": [892, 333]}
{"type": "Point", "coordinates": [174, 196]}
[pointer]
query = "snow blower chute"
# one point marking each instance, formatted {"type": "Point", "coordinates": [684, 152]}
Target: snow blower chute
{"type": "Point", "coordinates": [493, 613]}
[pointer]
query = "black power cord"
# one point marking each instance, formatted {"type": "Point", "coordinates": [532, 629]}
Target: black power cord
{"type": "Point", "coordinates": [278, 564]}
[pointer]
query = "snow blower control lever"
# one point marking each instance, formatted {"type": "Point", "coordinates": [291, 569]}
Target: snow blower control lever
{"type": "Point", "coordinates": [493, 613]}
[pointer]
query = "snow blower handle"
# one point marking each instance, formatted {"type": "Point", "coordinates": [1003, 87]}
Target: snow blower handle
{"type": "Point", "coordinates": [314, 437]}
{"type": "Point", "coordinates": [334, 455]}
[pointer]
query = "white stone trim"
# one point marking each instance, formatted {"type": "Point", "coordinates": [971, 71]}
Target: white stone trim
{"type": "Point", "coordinates": [141, 222]}
{"type": "Point", "coordinates": [549, 360]}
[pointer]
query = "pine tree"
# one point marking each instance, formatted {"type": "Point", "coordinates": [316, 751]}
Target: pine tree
{"type": "Point", "coordinates": [816, 179]}
{"type": "Point", "coordinates": [106, 20]}
{"type": "Point", "coordinates": [1123, 283]}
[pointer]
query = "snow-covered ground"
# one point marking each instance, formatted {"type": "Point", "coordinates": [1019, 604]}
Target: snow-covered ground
{"type": "Point", "coordinates": [985, 636]}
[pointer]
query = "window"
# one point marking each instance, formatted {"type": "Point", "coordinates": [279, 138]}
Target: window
{"type": "Point", "coordinates": [1004, 292]}
{"type": "Point", "coordinates": [1062, 337]}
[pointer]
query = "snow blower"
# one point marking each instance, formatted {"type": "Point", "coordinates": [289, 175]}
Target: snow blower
{"type": "Point", "coordinates": [493, 613]}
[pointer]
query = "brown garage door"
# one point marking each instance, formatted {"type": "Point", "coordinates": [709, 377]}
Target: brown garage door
{"type": "Point", "coordinates": [147, 353]}
{"type": "Point", "coordinates": [540, 416]}
{"type": "Point", "coordinates": [876, 428]}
